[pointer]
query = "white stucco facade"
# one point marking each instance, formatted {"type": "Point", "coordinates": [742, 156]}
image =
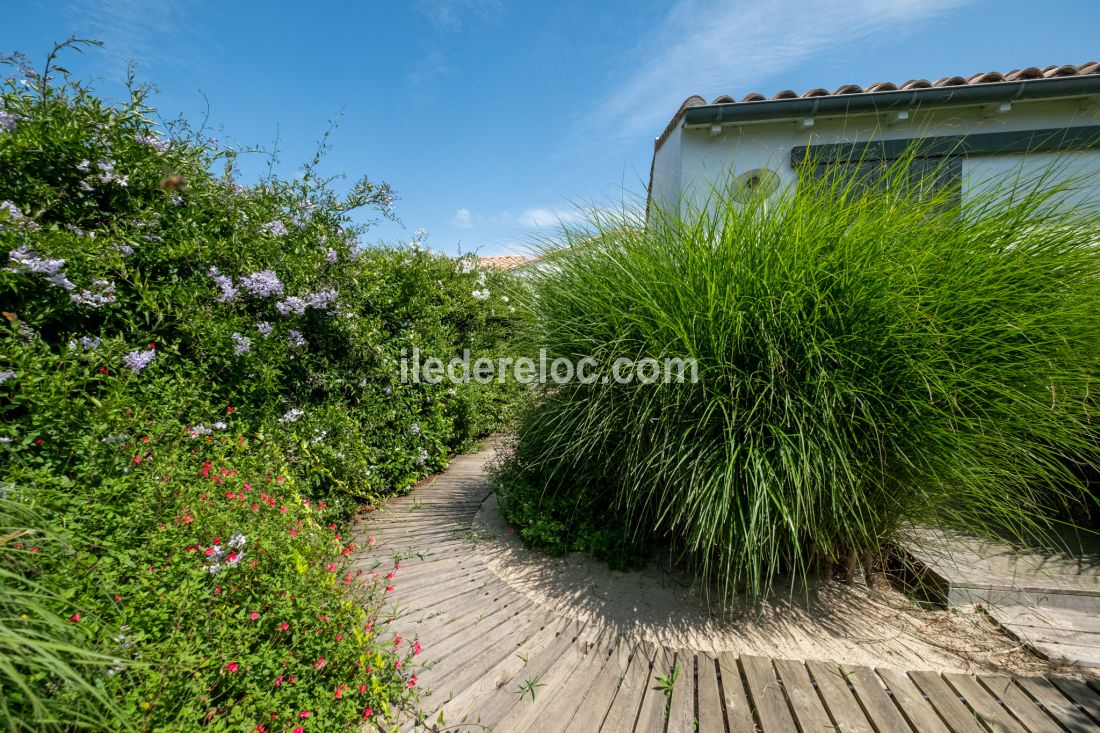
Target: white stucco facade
{"type": "Point", "coordinates": [692, 160]}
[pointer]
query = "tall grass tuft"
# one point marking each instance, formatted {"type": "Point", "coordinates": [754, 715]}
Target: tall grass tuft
{"type": "Point", "coordinates": [868, 356]}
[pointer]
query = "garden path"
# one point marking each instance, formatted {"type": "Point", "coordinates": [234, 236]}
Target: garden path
{"type": "Point", "coordinates": [506, 653]}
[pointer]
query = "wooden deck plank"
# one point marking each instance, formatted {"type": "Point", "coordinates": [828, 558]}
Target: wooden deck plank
{"type": "Point", "coordinates": [1056, 704]}
{"type": "Point", "coordinates": [736, 701]}
{"type": "Point", "coordinates": [911, 701]}
{"type": "Point", "coordinates": [708, 696]}
{"type": "Point", "coordinates": [596, 700]}
{"type": "Point", "coordinates": [766, 695]}
{"type": "Point", "coordinates": [681, 706]}
{"type": "Point", "coordinates": [1023, 707]}
{"type": "Point", "coordinates": [992, 713]}
{"type": "Point", "coordinates": [880, 708]}
{"type": "Point", "coordinates": [627, 702]}
{"type": "Point", "coordinates": [652, 714]}
{"type": "Point", "coordinates": [490, 694]}
{"type": "Point", "coordinates": [840, 703]}
{"type": "Point", "coordinates": [803, 698]}
{"type": "Point", "coordinates": [562, 683]}
{"type": "Point", "coordinates": [1081, 694]}
{"type": "Point", "coordinates": [945, 700]}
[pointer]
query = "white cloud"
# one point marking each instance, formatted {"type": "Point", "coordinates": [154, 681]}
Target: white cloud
{"type": "Point", "coordinates": [540, 218]}
{"type": "Point", "coordinates": [713, 47]}
{"type": "Point", "coordinates": [154, 34]}
{"type": "Point", "coordinates": [449, 15]}
{"type": "Point", "coordinates": [463, 219]}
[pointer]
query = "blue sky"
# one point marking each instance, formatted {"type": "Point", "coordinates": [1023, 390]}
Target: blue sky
{"type": "Point", "coordinates": [493, 119]}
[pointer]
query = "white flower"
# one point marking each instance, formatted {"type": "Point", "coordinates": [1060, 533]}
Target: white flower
{"type": "Point", "coordinates": [292, 415]}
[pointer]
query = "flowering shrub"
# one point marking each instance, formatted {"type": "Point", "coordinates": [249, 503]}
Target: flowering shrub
{"type": "Point", "coordinates": [198, 383]}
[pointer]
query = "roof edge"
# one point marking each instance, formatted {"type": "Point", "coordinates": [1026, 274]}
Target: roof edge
{"type": "Point", "coordinates": [695, 110]}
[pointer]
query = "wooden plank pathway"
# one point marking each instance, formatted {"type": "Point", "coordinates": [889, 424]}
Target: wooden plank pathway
{"type": "Point", "coordinates": [495, 660]}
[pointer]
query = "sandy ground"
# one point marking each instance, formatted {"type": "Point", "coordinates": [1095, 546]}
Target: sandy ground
{"type": "Point", "coordinates": [848, 623]}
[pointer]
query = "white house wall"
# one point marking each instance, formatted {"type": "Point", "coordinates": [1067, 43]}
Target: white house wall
{"type": "Point", "coordinates": [706, 160]}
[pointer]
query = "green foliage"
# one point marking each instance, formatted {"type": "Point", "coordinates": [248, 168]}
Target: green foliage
{"type": "Point", "coordinates": [866, 357]}
{"type": "Point", "coordinates": [190, 368]}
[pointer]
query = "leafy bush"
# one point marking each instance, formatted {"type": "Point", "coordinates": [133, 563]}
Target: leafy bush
{"type": "Point", "coordinates": [865, 358]}
{"type": "Point", "coordinates": [199, 382]}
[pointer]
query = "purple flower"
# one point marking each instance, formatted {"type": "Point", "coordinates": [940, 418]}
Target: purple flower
{"type": "Point", "coordinates": [264, 328]}
{"type": "Point", "coordinates": [90, 343]}
{"type": "Point", "coordinates": [101, 296]}
{"type": "Point", "coordinates": [292, 304]}
{"type": "Point", "coordinates": [8, 120]}
{"type": "Point", "coordinates": [415, 428]}
{"type": "Point", "coordinates": [224, 283]}
{"type": "Point", "coordinates": [297, 340]}
{"type": "Point", "coordinates": [6, 375]}
{"type": "Point", "coordinates": [13, 213]}
{"type": "Point", "coordinates": [275, 228]}
{"type": "Point", "coordinates": [262, 284]}
{"type": "Point", "coordinates": [135, 361]}
{"type": "Point", "coordinates": [154, 142]}
{"type": "Point", "coordinates": [26, 261]}
{"type": "Point", "coordinates": [124, 250]}
{"type": "Point", "coordinates": [241, 344]}
{"type": "Point", "coordinates": [322, 299]}
{"type": "Point", "coordinates": [331, 256]}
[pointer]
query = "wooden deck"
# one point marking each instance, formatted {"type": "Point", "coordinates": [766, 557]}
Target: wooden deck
{"type": "Point", "coordinates": [496, 660]}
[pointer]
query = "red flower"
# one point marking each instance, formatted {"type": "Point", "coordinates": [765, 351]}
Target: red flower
{"type": "Point", "coordinates": [339, 692]}
{"type": "Point", "coordinates": [232, 667]}
{"type": "Point", "coordinates": [209, 551]}
{"type": "Point", "coordinates": [118, 597]}
{"type": "Point", "coordinates": [303, 714]}
{"type": "Point", "coordinates": [331, 568]}
{"type": "Point", "coordinates": [104, 370]}
{"type": "Point", "coordinates": [146, 439]}
{"type": "Point", "coordinates": [75, 618]}
{"type": "Point", "coordinates": [217, 591]}
{"type": "Point", "coordinates": [416, 648]}
{"type": "Point", "coordinates": [255, 615]}
{"type": "Point", "coordinates": [363, 690]}
{"type": "Point", "coordinates": [153, 345]}
{"type": "Point", "coordinates": [389, 589]}
{"type": "Point", "coordinates": [368, 712]}
{"type": "Point", "coordinates": [137, 459]}
{"type": "Point", "coordinates": [229, 411]}
{"type": "Point", "coordinates": [412, 681]}
{"type": "Point", "coordinates": [298, 729]}
{"type": "Point", "coordinates": [319, 664]}
{"type": "Point", "coordinates": [284, 626]}
{"type": "Point", "coordinates": [38, 441]}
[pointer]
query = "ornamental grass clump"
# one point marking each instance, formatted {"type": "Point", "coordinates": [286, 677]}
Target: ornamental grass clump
{"type": "Point", "coordinates": [867, 357]}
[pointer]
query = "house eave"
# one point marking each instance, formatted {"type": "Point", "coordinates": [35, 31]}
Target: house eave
{"type": "Point", "coordinates": [777, 110]}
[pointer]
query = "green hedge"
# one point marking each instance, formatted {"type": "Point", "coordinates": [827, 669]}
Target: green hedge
{"type": "Point", "coordinates": [183, 358]}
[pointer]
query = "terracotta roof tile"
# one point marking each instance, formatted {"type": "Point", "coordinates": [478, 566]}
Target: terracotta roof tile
{"type": "Point", "coordinates": [985, 77]}
{"type": "Point", "coordinates": [502, 262]}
